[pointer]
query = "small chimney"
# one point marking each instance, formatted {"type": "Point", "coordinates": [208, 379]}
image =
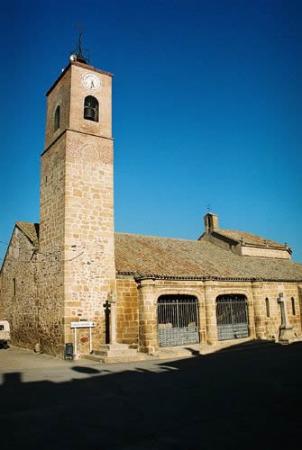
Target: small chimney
{"type": "Point", "coordinates": [211, 222]}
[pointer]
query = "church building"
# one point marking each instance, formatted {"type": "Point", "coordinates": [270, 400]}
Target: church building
{"type": "Point", "coordinates": [71, 279]}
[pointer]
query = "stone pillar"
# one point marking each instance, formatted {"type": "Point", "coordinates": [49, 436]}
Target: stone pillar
{"type": "Point", "coordinates": [251, 317]}
{"type": "Point", "coordinates": [210, 307]}
{"type": "Point", "coordinates": [259, 310]}
{"type": "Point", "coordinates": [300, 302]}
{"type": "Point", "coordinates": [202, 320]}
{"type": "Point", "coordinates": [112, 300]}
{"type": "Point", "coordinates": [148, 342]}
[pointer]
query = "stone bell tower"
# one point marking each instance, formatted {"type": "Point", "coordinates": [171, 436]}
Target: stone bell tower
{"type": "Point", "coordinates": [77, 272]}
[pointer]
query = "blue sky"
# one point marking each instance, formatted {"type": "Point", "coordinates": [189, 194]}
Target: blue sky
{"type": "Point", "coordinates": [206, 110]}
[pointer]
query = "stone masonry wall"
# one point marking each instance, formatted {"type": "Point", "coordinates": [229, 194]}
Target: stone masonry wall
{"type": "Point", "coordinates": [59, 96]}
{"type": "Point", "coordinates": [267, 327]}
{"type": "Point", "coordinates": [260, 326]}
{"type": "Point", "coordinates": [89, 270]}
{"type": "Point", "coordinates": [149, 292]}
{"type": "Point", "coordinates": [18, 296]}
{"type": "Point", "coordinates": [127, 311]}
{"type": "Point", "coordinates": [51, 247]}
{"type": "Point", "coordinates": [264, 252]}
{"type": "Point", "coordinates": [77, 211]}
{"type": "Point", "coordinates": [300, 302]}
{"type": "Point", "coordinates": [2, 313]}
{"type": "Point", "coordinates": [102, 128]}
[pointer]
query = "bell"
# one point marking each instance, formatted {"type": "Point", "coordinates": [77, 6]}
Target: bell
{"type": "Point", "coordinates": [89, 113]}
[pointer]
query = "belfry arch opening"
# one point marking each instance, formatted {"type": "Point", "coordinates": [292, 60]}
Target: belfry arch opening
{"type": "Point", "coordinates": [177, 320]}
{"type": "Point", "coordinates": [232, 316]}
{"type": "Point", "coordinates": [57, 118]}
{"type": "Point", "coordinates": [91, 108]}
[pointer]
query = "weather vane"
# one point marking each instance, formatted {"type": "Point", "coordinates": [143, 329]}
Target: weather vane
{"type": "Point", "coordinates": [78, 54]}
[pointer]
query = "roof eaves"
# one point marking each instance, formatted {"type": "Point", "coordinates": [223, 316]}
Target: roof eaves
{"type": "Point", "coordinates": [224, 237]}
{"type": "Point", "coordinates": [6, 252]}
{"type": "Point", "coordinates": [268, 246]}
{"type": "Point", "coordinates": [264, 244]}
{"type": "Point", "coordinates": [152, 276]}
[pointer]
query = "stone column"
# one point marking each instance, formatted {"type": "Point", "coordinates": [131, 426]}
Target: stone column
{"type": "Point", "coordinates": [112, 301]}
{"type": "Point", "coordinates": [148, 342]}
{"type": "Point", "coordinates": [300, 302]}
{"type": "Point", "coordinates": [259, 310]}
{"type": "Point", "coordinates": [202, 319]}
{"type": "Point", "coordinates": [210, 307]}
{"type": "Point", "coordinates": [251, 317]}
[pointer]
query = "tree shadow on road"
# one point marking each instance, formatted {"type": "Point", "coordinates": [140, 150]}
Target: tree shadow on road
{"type": "Point", "coordinates": [235, 399]}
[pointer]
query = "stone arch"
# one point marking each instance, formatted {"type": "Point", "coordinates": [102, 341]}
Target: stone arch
{"type": "Point", "coordinates": [91, 108]}
{"type": "Point", "coordinates": [232, 316]}
{"type": "Point", "coordinates": [177, 319]}
{"type": "Point", "coordinates": [57, 118]}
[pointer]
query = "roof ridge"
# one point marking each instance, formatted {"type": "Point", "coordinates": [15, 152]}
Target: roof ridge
{"type": "Point", "coordinates": [155, 237]}
{"type": "Point", "coordinates": [25, 221]}
{"type": "Point", "coordinates": [221, 230]}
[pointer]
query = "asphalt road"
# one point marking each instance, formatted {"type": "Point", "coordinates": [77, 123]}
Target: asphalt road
{"type": "Point", "coordinates": [246, 397]}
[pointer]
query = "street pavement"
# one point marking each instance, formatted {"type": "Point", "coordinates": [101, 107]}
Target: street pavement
{"type": "Point", "coordinates": [246, 397]}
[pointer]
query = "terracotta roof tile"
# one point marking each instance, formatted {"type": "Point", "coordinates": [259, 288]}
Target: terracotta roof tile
{"type": "Point", "coordinates": [250, 239]}
{"type": "Point", "coordinates": [141, 256]}
{"type": "Point", "coordinates": [165, 257]}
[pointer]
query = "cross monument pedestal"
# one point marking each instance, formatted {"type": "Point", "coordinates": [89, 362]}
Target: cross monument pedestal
{"type": "Point", "coordinates": [286, 332]}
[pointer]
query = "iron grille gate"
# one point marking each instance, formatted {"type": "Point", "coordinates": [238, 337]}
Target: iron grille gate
{"type": "Point", "coordinates": [177, 320]}
{"type": "Point", "coordinates": [232, 317]}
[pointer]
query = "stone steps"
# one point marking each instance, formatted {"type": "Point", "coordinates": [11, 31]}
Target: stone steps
{"type": "Point", "coordinates": [115, 353]}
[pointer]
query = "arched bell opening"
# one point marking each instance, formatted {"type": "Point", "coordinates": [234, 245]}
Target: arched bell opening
{"type": "Point", "coordinates": [91, 108]}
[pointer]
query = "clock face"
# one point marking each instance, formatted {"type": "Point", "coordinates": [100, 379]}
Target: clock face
{"type": "Point", "coordinates": [91, 82]}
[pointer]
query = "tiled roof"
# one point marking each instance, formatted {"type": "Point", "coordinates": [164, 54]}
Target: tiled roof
{"type": "Point", "coordinates": [31, 230]}
{"type": "Point", "coordinates": [144, 256]}
{"type": "Point", "coordinates": [249, 239]}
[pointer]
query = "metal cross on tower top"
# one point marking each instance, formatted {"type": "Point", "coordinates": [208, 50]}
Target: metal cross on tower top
{"type": "Point", "coordinates": [78, 54]}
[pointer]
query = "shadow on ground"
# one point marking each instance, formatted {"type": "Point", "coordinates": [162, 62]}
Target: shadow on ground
{"type": "Point", "coordinates": [246, 398]}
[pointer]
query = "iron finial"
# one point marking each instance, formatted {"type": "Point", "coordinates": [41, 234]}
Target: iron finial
{"type": "Point", "coordinates": [78, 54]}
